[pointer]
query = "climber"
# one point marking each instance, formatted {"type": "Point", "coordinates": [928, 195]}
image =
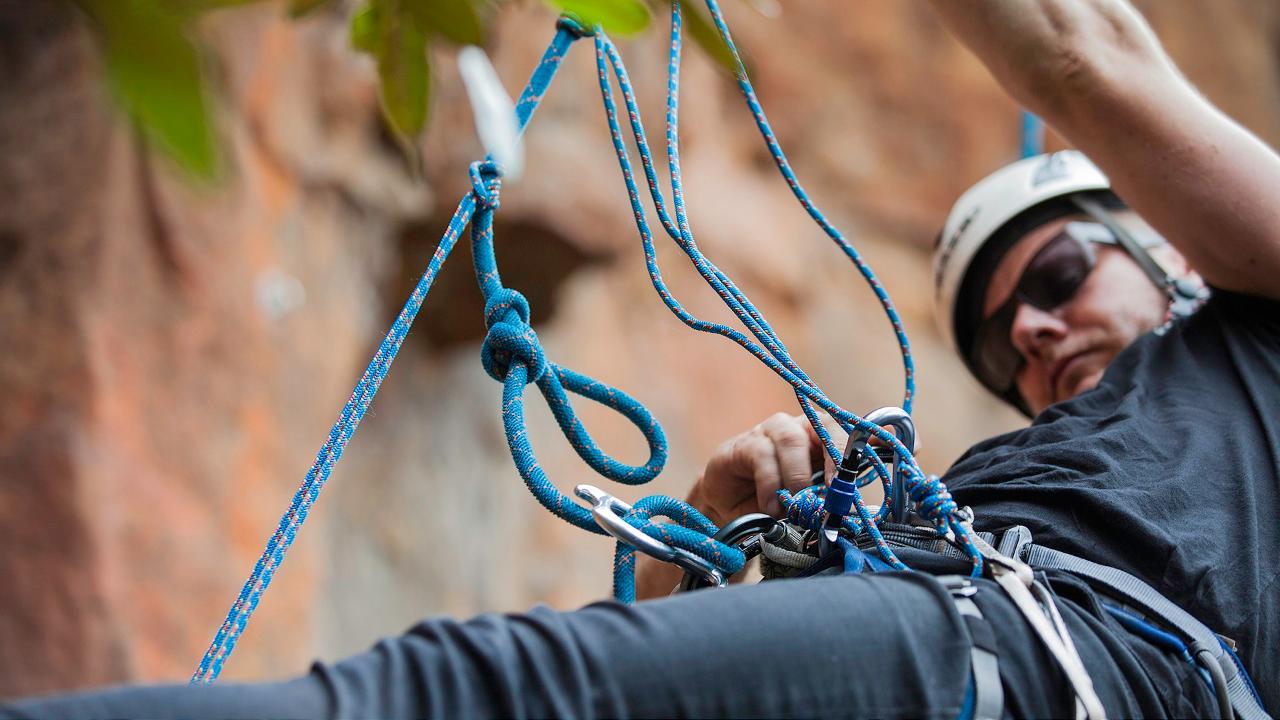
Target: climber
{"type": "Point", "coordinates": [1155, 438]}
{"type": "Point", "coordinates": [1150, 452]}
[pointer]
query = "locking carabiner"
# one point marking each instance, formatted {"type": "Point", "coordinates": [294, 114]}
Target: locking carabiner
{"type": "Point", "coordinates": [840, 491]}
{"type": "Point", "coordinates": [904, 428]}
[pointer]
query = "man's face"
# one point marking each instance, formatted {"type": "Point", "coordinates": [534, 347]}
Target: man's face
{"type": "Point", "coordinates": [1066, 349]}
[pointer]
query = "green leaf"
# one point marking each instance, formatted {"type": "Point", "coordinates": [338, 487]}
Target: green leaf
{"type": "Point", "coordinates": [455, 19]}
{"type": "Point", "coordinates": [153, 70]}
{"type": "Point", "coordinates": [365, 28]}
{"type": "Point", "coordinates": [621, 17]}
{"type": "Point", "coordinates": [298, 8]}
{"type": "Point", "coordinates": [708, 37]}
{"type": "Point", "coordinates": [402, 68]}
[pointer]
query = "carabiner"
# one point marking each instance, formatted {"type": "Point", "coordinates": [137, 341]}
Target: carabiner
{"type": "Point", "coordinates": [608, 512]}
{"type": "Point", "coordinates": [904, 428]}
{"type": "Point", "coordinates": [843, 485]}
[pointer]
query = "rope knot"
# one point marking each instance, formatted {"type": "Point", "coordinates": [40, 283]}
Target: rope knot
{"type": "Point", "coordinates": [486, 182]}
{"type": "Point", "coordinates": [510, 338]}
{"type": "Point", "coordinates": [805, 507]}
{"type": "Point", "coordinates": [934, 501]}
{"type": "Point", "coordinates": [504, 301]}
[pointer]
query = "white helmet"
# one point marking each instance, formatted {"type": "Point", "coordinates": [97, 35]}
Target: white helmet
{"type": "Point", "coordinates": [988, 207]}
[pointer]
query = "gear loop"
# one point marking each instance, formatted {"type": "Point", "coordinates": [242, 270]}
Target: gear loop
{"type": "Point", "coordinates": [486, 182]}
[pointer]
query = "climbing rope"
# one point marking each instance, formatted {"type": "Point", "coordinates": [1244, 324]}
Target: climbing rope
{"type": "Point", "coordinates": [767, 348]}
{"type": "Point", "coordinates": [278, 545]}
{"type": "Point", "coordinates": [512, 355]}
{"type": "Point", "coordinates": [1031, 136]}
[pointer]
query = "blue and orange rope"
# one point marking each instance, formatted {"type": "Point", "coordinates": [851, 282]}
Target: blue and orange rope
{"type": "Point", "coordinates": [512, 354]}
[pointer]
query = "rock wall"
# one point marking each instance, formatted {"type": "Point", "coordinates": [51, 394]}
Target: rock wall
{"type": "Point", "coordinates": [177, 353]}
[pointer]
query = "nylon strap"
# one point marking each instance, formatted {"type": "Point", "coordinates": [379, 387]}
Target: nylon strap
{"type": "Point", "coordinates": [1036, 605]}
{"type": "Point", "coordinates": [988, 691]}
{"type": "Point", "coordinates": [1134, 592]}
{"type": "Point", "coordinates": [1157, 274]}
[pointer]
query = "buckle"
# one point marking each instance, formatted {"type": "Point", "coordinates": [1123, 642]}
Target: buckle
{"type": "Point", "coordinates": [958, 585]}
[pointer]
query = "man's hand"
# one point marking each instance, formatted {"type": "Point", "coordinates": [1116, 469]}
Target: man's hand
{"type": "Point", "coordinates": [745, 473]}
{"type": "Point", "coordinates": [743, 476]}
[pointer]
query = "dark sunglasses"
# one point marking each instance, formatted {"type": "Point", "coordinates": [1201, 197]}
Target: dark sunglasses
{"type": "Point", "coordinates": [1052, 277]}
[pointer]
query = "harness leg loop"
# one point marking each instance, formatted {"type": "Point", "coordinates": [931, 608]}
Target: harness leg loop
{"type": "Point", "coordinates": [988, 690]}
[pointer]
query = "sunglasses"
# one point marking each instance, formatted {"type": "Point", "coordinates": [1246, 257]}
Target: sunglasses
{"type": "Point", "coordinates": [1052, 277]}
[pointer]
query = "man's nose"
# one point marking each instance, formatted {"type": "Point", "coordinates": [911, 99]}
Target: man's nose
{"type": "Point", "coordinates": [1034, 330]}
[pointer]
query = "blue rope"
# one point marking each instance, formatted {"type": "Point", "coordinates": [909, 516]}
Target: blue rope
{"type": "Point", "coordinates": [330, 453]}
{"type": "Point", "coordinates": [769, 349]}
{"type": "Point", "coordinates": [784, 167]}
{"type": "Point", "coordinates": [353, 412]}
{"type": "Point", "coordinates": [512, 354]}
{"type": "Point", "coordinates": [692, 532]}
{"type": "Point", "coordinates": [1032, 135]}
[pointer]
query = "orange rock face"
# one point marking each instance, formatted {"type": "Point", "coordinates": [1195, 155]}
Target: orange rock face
{"type": "Point", "coordinates": [175, 354]}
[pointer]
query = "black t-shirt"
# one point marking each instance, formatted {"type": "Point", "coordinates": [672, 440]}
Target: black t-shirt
{"type": "Point", "coordinates": [1169, 469]}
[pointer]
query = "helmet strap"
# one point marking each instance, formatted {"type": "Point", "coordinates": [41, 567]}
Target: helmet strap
{"type": "Point", "coordinates": [1184, 296]}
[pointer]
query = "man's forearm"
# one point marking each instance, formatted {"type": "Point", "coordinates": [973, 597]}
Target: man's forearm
{"type": "Point", "coordinates": [1048, 53]}
{"type": "Point", "coordinates": [1095, 71]}
{"type": "Point", "coordinates": [654, 578]}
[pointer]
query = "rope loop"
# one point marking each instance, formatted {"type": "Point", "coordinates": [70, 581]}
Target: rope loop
{"type": "Point", "coordinates": [556, 385]}
{"type": "Point", "coordinates": [511, 339]}
{"type": "Point", "coordinates": [486, 182]}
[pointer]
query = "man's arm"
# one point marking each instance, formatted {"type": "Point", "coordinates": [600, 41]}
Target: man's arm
{"type": "Point", "coordinates": [1094, 70]}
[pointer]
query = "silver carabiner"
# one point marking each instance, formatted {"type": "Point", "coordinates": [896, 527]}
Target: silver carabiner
{"type": "Point", "coordinates": [608, 511]}
{"type": "Point", "coordinates": [897, 420]}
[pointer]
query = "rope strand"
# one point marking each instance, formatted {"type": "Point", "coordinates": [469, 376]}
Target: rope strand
{"type": "Point", "coordinates": [512, 354]}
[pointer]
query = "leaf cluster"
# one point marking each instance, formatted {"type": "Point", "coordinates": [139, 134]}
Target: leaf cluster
{"type": "Point", "coordinates": [154, 65]}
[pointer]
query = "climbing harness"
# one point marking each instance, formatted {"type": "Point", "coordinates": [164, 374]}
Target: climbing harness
{"type": "Point", "coordinates": [1035, 602]}
{"type": "Point", "coordinates": [787, 549]}
{"type": "Point", "coordinates": [794, 547]}
{"type": "Point", "coordinates": [822, 522]}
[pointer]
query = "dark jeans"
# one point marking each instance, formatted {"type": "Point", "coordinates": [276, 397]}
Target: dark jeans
{"type": "Point", "coordinates": [882, 645]}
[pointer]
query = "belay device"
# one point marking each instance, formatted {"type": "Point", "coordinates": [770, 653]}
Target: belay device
{"type": "Point", "coordinates": [822, 522]}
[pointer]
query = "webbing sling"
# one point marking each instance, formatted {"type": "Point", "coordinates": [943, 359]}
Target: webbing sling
{"type": "Point", "coordinates": [1134, 592]}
